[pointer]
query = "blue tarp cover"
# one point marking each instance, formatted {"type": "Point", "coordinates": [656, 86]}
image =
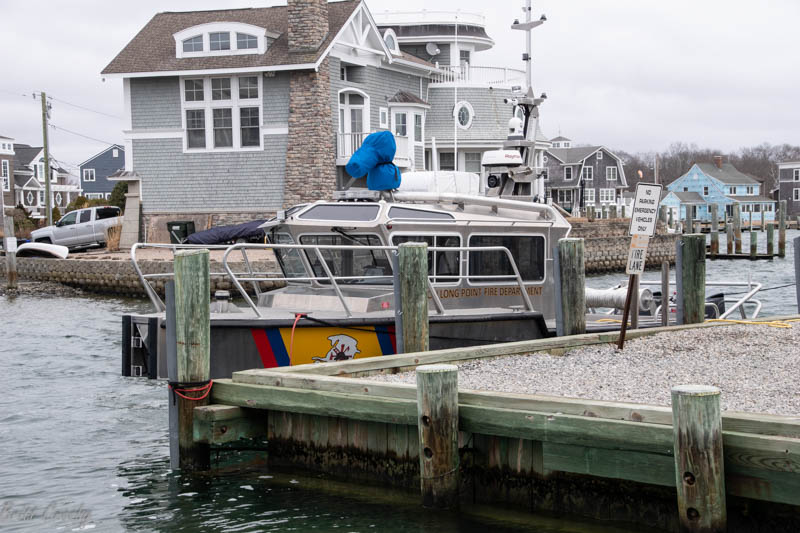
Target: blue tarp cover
{"type": "Point", "coordinates": [223, 234]}
{"type": "Point", "coordinates": [374, 160]}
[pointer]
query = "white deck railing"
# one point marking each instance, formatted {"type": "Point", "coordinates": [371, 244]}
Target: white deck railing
{"type": "Point", "coordinates": [348, 143]}
{"type": "Point", "coordinates": [475, 75]}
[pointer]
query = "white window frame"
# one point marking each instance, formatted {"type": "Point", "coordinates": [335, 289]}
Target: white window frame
{"type": "Point", "coordinates": [5, 174]}
{"type": "Point", "coordinates": [587, 173]}
{"type": "Point", "coordinates": [796, 195]}
{"type": "Point", "coordinates": [470, 110]}
{"type": "Point", "coordinates": [472, 154]}
{"type": "Point", "coordinates": [750, 190]}
{"type": "Point", "coordinates": [588, 196]}
{"type": "Point", "coordinates": [568, 173]}
{"type": "Point", "coordinates": [235, 104]}
{"type": "Point", "coordinates": [796, 174]}
{"type": "Point", "coordinates": [599, 155]}
{"type": "Point", "coordinates": [421, 139]}
{"type": "Point", "coordinates": [612, 173]}
{"type": "Point", "coordinates": [94, 196]}
{"type": "Point", "coordinates": [231, 28]}
{"type": "Point", "coordinates": [89, 172]}
{"type": "Point", "coordinates": [405, 123]}
{"type": "Point", "coordinates": [383, 117]}
{"type": "Point", "coordinates": [58, 199]}
{"type": "Point", "coordinates": [607, 196]}
{"type": "Point", "coordinates": [705, 190]}
{"type": "Point", "coordinates": [115, 152]}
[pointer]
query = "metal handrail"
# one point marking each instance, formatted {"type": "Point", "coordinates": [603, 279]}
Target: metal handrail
{"type": "Point", "coordinates": [738, 304]}
{"type": "Point", "coordinates": [329, 277]}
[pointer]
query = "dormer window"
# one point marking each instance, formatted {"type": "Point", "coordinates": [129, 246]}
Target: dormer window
{"type": "Point", "coordinates": [390, 39]}
{"type": "Point", "coordinates": [193, 44]}
{"type": "Point", "coordinates": [220, 40]}
{"type": "Point", "coordinates": [245, 41]}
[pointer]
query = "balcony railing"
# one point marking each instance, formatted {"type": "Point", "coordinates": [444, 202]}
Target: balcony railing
{"type": "Point", "coordinates": [474, 75]}
{"type": "Point", "coordinates": [424, 16]}
{"type": "Point", "coordinates": [348, 143]}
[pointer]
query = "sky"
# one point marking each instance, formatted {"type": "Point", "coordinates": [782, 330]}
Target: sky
{"type": "Point", "coordinates": [633, 75]}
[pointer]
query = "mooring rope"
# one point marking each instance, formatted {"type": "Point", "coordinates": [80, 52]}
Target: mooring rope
{"type": "Point", "coordinates": [780, 324]}
{"type": "Point", "coordinates": [178, 388]}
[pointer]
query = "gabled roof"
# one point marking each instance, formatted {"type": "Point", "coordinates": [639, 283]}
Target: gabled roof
{"type": "Point", "coordinates": [691, 198]}
{"type": "Point", "coordinates": [153, 48]}
{"type": "Point", "coordinates": [24, 154]}
{"type": "Point", "coordinates": [728, 174]}
{"type": "Point", "coordinates": [572, 156]}
{"type": "Point", "coordinates": [6, 138]}
{"type": "Point", "coordinates": [751, 199]}
{"type": "Point", "coordinates": [559, 138]}
{"type": "Point", "coordinates": [22, 181]}
{"type": "Point", "coordinates": [95, 156]}
{"type": "Point", "coordinates": [405, 97]}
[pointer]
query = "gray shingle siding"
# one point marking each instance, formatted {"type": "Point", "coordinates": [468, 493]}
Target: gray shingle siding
{"type": "Point", "coordinates": [490, 122]}
{"type": "Point", "coordinates": [379, 84]}
{"type": "Point", "coordinates": [276, 100]}
{"type": "Point", "coordinates": [787, 187]}
{"type": "Point", "coordinates": [155, 103]}
{"type": "Point", "coordinates": [210, 182]}
{"type": "Point", "coordinates": [419, 51]}
{"type": "Point", "coordinates": [104, 164]}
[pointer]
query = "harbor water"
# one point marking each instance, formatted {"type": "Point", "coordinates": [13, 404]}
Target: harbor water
{"type": "Point", "coordinates": [83, 448]}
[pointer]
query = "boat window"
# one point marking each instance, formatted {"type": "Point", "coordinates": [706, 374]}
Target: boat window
{"type": "Point", "coordinates": [444, 266]}
{"type": "Point", "coordinates": [366, 267]}
{"type": "Point", "coordinates": [348, 211]}
{"type": "Point", "coordinates": [528, 253]}
{"type": "Point", "coordinates": [405, 212]}
{"type": "Point", "coordinates": [290, 261]}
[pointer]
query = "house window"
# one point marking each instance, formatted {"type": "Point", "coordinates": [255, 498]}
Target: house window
{"type": "Point", "coordinates": [4, 172]}
{"type": "Point", "coordinates": [599, 155]}
{"type": "Point", "coordinates": [751, 190]}
{"type": "Point", "coordinates": [587, 173]}
{"type": "Point", "coordinates": [464, 115]}
{"type": "Point", "coordinates": [796, 195]}
{"type": "Point", "coordinates": [220, 40]}
{"type": "Point", "coordinates": [248, 87]}
{"type": "Point", "coordinates": [796, 174]}
{"type": "Point", "coordinates": [400, 126]}
{"type": "Point", "coordinates": [446, 161]}
{"type": "Point", "coordinates": [193, 90]}
{"type": "Point", "coordinates": [607, 196]}
{"type": "Point", "coordinates": [220, 88]}
{"type": "Point", "coordinates": [565, 197]}
{"type": "Point", "coordinates": [611, 172]}
{"type": "Point", "coordinates": [58, 198]}
{"type": "Point", "coordinates": [195, 128]}
{"type": "Point", "coordinates": [29, 197]}
{"type": "Point", "coordinates": [193, 44]}
{"type": "Point", "coordinates": [472, 162]}
{"type": "Point", "coordinates": [88, 174]}
{"type": "Point", "coordinates": [249, 124]}
{"type": "Point", "coordinates": [757, 208]}
{"type": "Point", "coordinates": [343, 73]}
{"type": "Point", "coordinates": [223, 128]}
{"type": "Point", "coordinates": [115, 153]}
{"type": "Point", "coordinates": [418, 128]}
{"type": "Point", "coordinates": [245, 41]}
{"type": "Point", "coordinates": [686, 189]}
{"type": "Point", "coordinates": [383, 117]}
{"type": "Point", "coordinates": [41, 198]}
{"type": "Point", "coordinates": [568, 173]}
{"type": "Point", "coordinates": [731, 190]}
{"type": "Point", "coordinates": [705, 191]}
{"type": "Point", "coordinates": [463, 56]}
{"type": "Point", "coordinates": [588, 196]}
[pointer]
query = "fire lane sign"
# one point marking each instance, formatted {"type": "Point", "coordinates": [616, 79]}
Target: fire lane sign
{"type": "Point", "coordinates": [645, 210]}
{"type": "Point", "coordinates": [637, 254]}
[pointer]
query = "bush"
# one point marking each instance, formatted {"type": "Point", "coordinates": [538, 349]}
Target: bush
{"type": "Point", "coordinates": [118, 195]}
{"type": "Point", "coordinates": [78, 203]}
{"type": "Point", "coordinates": [56, 214]}
{"type": "Point", "coordinates": [24, 223]}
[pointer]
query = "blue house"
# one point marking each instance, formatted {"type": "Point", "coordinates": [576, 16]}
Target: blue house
{"type": "Point", "coordinates": [717, 183]}
{"type": "Point", "coordinates": [95, 171]}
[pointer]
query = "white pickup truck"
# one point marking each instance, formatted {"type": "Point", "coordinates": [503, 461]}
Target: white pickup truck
{"type": "Point", "coordinates": [84, 227]}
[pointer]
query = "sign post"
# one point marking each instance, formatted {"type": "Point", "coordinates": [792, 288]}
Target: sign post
{"type": "Point", "coordinates": [643, 226]}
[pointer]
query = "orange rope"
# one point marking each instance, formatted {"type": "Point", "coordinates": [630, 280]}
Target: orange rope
{"type": "Point", "coordinates": [297, 317]}
{"type": "Point", "coordinates": [206, 388]}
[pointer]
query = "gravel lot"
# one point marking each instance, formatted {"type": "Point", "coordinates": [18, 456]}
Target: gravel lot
{"type": "Point", "coordinates": [756, 367]}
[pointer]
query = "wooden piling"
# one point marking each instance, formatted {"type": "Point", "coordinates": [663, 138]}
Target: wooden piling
{"type": "Point", "coordinates": [665, 293]}
{"type": "Point", "coordinates": [590, 213]}
{"type": "Point", "coordinates": [9, 244]}
{"type": "Point", "coordinates": [573, 289]}
{"type": "Point", "coordinates": [670, 220]}
{"type": "Point", "coordinates": [770, 239]}
{"type": "Point", "coordinates": [662, 214]}
{"type": "Point", "coordinates": [612, 211]}
{"type": "Point", "coordinates": [688, 225]}
{"type": "Point", "coordinates": [796, 243]}
{"type": "Point", "coordinates": [753, 244]}
{"type": "Point", "coordinates": [729, 236]}
{"type": "Point", "coordinates": [193, 336]}
{"type": "Point", "coordinates": [437, 408]}
{"type": "Point", "coordinates": [414, 295]}
{"type": "Point", "coordinates": [763, 220]}
{"type": "Point", "coordinates": [737, 228]}
{"type": "Point", "coordinates": [699, 466]}
{"type": "Point", "coordinates": [782, 230]}
{"type": "Point", "coordinates": [691, 297]}
{"type": "Point", "coordinates": [714, 230]}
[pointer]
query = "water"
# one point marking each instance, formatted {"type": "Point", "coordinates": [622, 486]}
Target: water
{"type": "Point", "coordinates": [777, 300]}
{"type": "Point", "coordinates": [83, 448]}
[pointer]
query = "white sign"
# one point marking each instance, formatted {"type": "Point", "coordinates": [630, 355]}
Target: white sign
{"type": "Point", "coordinates": [11, 245]}
{"type": "Point", "coordinates": [645, 209]}
{"type": "Point", "coordinates": [637, 254]}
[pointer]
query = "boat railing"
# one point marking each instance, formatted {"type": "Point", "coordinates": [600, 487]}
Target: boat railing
{"type": "Point", "coordinates": [156, 300]}
{"type": "Point", "coordinates": [333, 280]}
{"type": "Point", "coordinates": [739, 304]}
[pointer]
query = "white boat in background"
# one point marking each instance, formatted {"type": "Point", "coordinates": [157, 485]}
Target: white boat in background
{"type": "Point", "coordinates": [40, 249]}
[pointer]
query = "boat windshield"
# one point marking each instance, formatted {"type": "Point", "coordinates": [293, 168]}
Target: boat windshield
{"type": "Point", "coordinates": [443, 266]}
{"type": "Point", "coordinates": [290, 261]}
{"type": "Point", "coordinates": [365, 267]}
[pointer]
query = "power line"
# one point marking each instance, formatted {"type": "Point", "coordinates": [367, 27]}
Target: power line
{"type": "Point", "coordinates": [82, 135]}
{"type": "Point", "coordinates": [85, 108]}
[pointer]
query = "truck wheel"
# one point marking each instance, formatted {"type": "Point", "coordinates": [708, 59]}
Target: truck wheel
{"type": "Point", "coordinates": [46, 240]}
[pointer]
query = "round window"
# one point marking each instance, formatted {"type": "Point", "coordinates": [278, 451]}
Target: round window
{"type": "Point", "coordinates": [30, 198]}
{"type": "Point", "coordinates": [464, 115]}
{"type": "Point", "coordinates": [58, 198]}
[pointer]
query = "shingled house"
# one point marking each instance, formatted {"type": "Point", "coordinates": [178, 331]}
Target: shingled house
{"type": "Point", "coordinates": [789, 185]}
{"type": "Point", "coordinates": [233, 114]}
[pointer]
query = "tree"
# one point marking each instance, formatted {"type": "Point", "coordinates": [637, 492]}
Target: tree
{"type": "Point", "coordinates": [118, 195]}
{"type": "Point", "coordinates": [56, 214]}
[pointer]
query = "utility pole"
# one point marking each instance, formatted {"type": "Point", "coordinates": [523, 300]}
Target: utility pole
{"type": "Point", "coordinates": [48, 202]}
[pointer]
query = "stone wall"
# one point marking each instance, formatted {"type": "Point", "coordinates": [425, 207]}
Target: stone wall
{"type": "Point", "coordinates": [607, 242]}
{"type": "Point", "coordinates": [117, 277]}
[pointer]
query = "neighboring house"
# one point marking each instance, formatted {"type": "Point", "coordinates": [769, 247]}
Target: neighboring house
{"type": "Point", "coordinates": [94, 172]}
{"type": "Point", "coordinates": [561, 142]}
{"type": "Point", "coordinates": [717, 183]}
{"type": "Point", "coordinates": [232, 114]}
{"type": "Point", "coordinates": [7, 171]}
{"type": "Point", "coordinates": [583, 176]}
{"type": "Point", "coordinates": [29, 181]}
{"type": "Point", "coordinates": [467, 112]}
{"type": "Point", "coordinates": [789, 186]}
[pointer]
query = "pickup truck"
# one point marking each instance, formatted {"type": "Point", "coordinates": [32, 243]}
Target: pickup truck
{"type": "Point", "coordinates": [84, 227]}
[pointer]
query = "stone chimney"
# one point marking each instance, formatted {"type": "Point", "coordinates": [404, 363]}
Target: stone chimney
{"type": "Point", "coordinates": [718, 161]}
{"type": "Point", "coordinates": [308, 24]}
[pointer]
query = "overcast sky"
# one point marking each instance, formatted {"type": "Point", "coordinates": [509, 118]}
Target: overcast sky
{"type": "Point", "coordinates": [633, 75]}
